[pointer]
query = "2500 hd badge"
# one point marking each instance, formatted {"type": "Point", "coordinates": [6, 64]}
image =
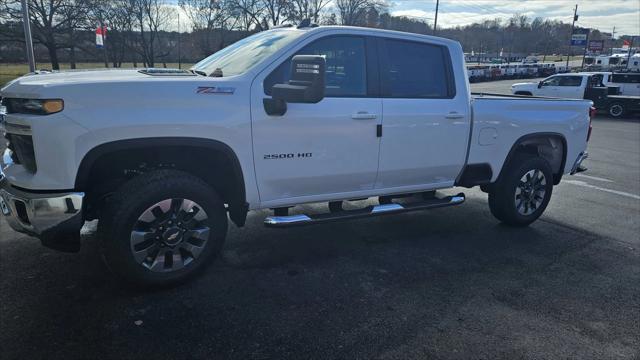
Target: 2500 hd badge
{"type": "Point", "coordinates": [287, 156]}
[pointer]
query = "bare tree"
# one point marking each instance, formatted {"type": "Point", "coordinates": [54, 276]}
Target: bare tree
{"type": "Point", "coordinates": [207, 16]}
{"type": "Point", "coordinates": [74, 14]}
{"type": "Point", "coordinates": [247, 14]}
{"type": "Point", "coordinates": [51, 21]}
{"type": "Point", "coordinates": [118, 17]}
{"type": "Point", "coordinates": [309, 9]}
{"type": "Point", "coordinates": [354, 12]}
{"type": "Point", "coordinates": [263, 14]}
{"type": "Point", "coordinates": [151, 17]}
{"type": "Point", "coordinates": [277, 12]}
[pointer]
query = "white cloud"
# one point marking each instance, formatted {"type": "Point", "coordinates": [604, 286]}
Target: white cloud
{"type": "Point", "coordinates": [414, 13]}
{"type": "Point", "coordinates": [602, 15]}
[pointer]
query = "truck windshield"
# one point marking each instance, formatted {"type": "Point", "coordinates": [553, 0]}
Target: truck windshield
{"type": "Point", "coordinates": [239, 57]}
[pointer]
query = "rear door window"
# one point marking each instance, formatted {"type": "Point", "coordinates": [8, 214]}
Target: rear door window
{"type": "Point", "coordinates": [626, 78]}
{"type": "Point", "coordinates": [570, 80]}
{"type": "Point", "coordinates": [416, 70]}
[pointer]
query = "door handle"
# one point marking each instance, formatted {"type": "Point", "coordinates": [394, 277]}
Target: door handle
{"type": "Point", "coordinates": [453, 116]}
{"type": "Point", "coordinates": [362, 115]}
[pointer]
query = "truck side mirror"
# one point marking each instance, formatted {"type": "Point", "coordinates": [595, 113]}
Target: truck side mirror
{"type": "Point", "coordinates": [306, 85]}
{"type": "Point", "coordinates": [539, 84]}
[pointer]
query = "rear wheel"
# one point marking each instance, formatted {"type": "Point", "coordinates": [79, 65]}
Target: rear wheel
{"type": "Point", "coordinates": [162, 227]}
{"type": "Point", "coordinates": [616, 110]}
{"type": "Point", "coordinates": [523, 192]}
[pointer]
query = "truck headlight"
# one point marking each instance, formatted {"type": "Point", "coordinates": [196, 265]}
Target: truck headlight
{"type": "Point", "coordinates": [34, 106]}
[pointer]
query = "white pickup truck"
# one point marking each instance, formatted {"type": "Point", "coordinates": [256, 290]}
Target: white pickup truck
{"type": "Point", "coordinates": [573, 86]}
{"type": "Point", "coordinates": [284, 117]}
{"type": "Point", "coordinates": [593, 86]}
{"type": "Point", "coordinates": [569, 86]}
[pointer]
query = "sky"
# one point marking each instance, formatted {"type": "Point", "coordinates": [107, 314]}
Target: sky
{"type": "Point", "coordinates": [598, 14]}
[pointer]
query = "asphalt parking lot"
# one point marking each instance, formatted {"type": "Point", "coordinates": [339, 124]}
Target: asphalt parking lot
{"type": "Point", "coordinates": [449, 283]}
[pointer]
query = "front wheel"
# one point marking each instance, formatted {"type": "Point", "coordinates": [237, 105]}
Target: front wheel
{"type": "Point", "coordinates": [523, 192]}
{"type": "Point", "coordinates": [161, 228]}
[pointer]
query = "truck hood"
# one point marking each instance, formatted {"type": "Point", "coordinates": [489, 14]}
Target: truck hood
{"type": "Point", "coordinates": [524, 85]}
{"type": "Point", "coordinates": [529, 87]}
{"type": "Point", "coordinates": [33, 85]}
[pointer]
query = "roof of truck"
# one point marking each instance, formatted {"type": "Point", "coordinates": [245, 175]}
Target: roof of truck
{"type": "Point", "coordinates": [372, 31]}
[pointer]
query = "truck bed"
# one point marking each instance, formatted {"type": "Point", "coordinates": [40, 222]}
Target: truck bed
{"type": "Point", "coordinates": [500, 120]}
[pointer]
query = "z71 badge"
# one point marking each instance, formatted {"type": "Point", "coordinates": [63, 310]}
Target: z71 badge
{"type": "Point", "coordinates": [215, 90]}
{"type": "Point", "coordinates": [287, 156]}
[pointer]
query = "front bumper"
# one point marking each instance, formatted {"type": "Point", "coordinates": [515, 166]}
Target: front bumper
{"type": "Point", "coordinates": [51, 217]}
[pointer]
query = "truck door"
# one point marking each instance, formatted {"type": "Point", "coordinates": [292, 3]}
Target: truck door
{"type": "Point", "coordinates": [549, 87]}
{"type": "Point", "coordinates": [330, 147]}
{"type": "Point", "coordinates": [572, 86]}
{"type": "Point", "coordinates": [425, 130]}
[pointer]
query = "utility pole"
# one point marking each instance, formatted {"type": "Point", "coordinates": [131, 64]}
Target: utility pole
{"type": "Point", "coordinates": [435, 21]}
{"type": "Point", "coordinates": [613, 38]}
{"type": "Point", "coordinates": [575, 18]}
{"type": "Point", "coordinates": [28, 41]}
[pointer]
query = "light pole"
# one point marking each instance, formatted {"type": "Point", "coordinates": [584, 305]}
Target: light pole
{"type": "Point", "coordinates": [613, 39]}
{"type": "Point", "coordinates": [27, 36]}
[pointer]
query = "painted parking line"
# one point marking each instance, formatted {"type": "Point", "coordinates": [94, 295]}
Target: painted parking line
{"type": "Point", "coordinates": [584, 184]}
{"type": "Point", "coordinates": [593, 178]}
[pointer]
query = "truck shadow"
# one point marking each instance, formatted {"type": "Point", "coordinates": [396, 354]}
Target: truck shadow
{"type": "Point", "coordinates": [387, 281]}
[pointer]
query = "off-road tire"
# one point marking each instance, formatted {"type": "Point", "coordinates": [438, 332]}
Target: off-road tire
{"type": "Point", "coordinates": [502, 197]}
{"type": "Point", "coordinates": [121, 213]}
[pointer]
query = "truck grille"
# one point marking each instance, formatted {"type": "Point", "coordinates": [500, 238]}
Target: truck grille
{"type": "Point", "coordinates": [22, 152]}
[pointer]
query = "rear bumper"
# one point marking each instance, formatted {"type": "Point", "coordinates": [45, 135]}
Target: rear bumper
{"type": "Point", "coordinates": [576, 168]}
{"type": "Point", "coordinates": [48, 216]}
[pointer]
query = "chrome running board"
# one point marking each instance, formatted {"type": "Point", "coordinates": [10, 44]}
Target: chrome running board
{"type": "Point", "coordinates": [373, 210]}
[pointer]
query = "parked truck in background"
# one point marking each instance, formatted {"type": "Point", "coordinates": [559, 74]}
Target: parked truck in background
{"type": "Point", "coordinates": [617, 94]}
{"type": "Point", "coordinates": [162, 158]}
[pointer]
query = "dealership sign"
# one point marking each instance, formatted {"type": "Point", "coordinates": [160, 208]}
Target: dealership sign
{"type": "Point", "coordinates": [579, 37]}
{"type": "Point", "coordinates": [596, 45]}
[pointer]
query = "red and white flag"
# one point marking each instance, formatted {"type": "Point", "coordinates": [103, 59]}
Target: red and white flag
{"type": "Point", "coordinates": [626, 44]}
{"type": "Point", "coordinates": [101, 35]}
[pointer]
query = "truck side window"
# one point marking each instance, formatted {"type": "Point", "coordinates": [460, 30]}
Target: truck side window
{"type": "Point", "coordinates": [570, 80]}
{"type": "Point", "coordinates": [626, 78]}
{"type": "Point", "coordinates": [416, 70]}
{"type": "Point", "coordinates": [554, 81]}
{"type": "Point", "coordinates": [346, 66]}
